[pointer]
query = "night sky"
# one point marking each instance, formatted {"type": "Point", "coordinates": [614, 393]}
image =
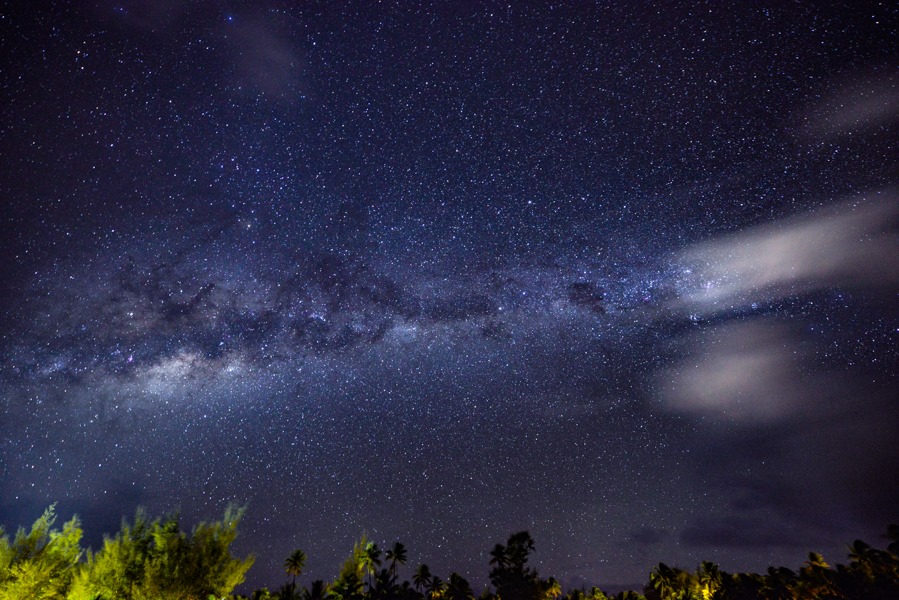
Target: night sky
{"type": "Point", "coordinates": [624, 275]}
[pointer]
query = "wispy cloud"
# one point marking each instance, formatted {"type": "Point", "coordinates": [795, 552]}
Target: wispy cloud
{"type": "Point", "coordinates": [739, 371]}
{"type": "Point", "coordinates": [861, 104]}
{"type": "Point", "coordinates": [852, 244]}
{"type": "Point", "coordinates": [758, 370]}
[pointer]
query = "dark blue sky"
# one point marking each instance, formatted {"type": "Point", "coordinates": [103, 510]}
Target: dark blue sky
{"type": "Point", "coordinates": [620, 274]}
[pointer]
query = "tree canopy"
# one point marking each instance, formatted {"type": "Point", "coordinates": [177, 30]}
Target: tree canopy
{"type": "Point", "coordinates": [154, 559]}
{"type": "Point", "coordinates": [147, 559]}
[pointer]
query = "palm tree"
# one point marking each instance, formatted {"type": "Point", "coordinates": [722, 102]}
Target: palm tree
{"type": "Point", "coordinates": [709, 577]}
{"type": "Point", "coordinates": [815, 580]}
{"type": "Point", "coordinates": [370, 560]}
{"type": "Point", "coordinates": [316, 591]}
{"type": "Point", "coordinates": [436, 587]}
{"type": "Point", "coordinates": [662, 579]}
{"type": "Point", "coordinates": [597, 594]}
{"type": "Point", "coordinates": [498, 556]}
{"type": "Point", "coordinates": [458, 588]}
{"type": "Point", "coordinates": [864, 558]}
{"type": "Point", "coordinates": [552, 589]}
{"type": "Point", "coordinates": [518, 547]}
{"type": "Point", "coordinates": [288, 591]}
{"type": "Point", "coordinates": [295, 563]}
{"type": "Point", "coordinates": [779, 583]}
{"type": "Point", "coordinates": [396, 555]}
{"type": "Point", "coordinates": [422, 577]}
{"type": "Point", "coordinates": [347, 587]}
{"type": "Point", "coordinates": [384, 586]}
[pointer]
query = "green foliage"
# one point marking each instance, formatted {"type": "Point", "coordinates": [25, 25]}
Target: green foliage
{"type": "Point", "coordinates": [156, 560]}
{"type": "Point", "coordinates": [597, 594]}
{"type": "Point", "coordinates": [347, 587]}
{"type": "Point", "coordinates": [871, 574]}
{"type": "Point", "coordinates": [262, 594]}
{"type": "Point", "coordinates": [39, 564]}
{"type": "Point", "coordinates": [364, 560]}
{"type": "Point", "coordinates": [629, 595]}
{"type": "Point", "coordinates": [371, 558]}
{"type": "Point", "coordinates": [356, 562]}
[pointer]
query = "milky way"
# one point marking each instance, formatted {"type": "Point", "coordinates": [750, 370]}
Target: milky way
{"type": "Point", "coordinates": [624, 276]}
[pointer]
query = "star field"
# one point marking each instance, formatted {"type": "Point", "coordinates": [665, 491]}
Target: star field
{"type": "Point", "coordinates": [623, 275]}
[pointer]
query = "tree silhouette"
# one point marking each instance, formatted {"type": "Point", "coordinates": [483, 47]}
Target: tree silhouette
{"type": "Point", "coordinates": [288, 591]}
{"type": "Point", "coordinates": [295, 563]}
{"type": "Point", "coordinates": [156, 560]}
{"type": "Point", "coordinates": [458, 588]}
{"type": "Point", "coordinates": [740, 586]}
{"type": "Point", "coordinates": [510, 575]}
{"type": "Point", "coordinates": [436, 587]}
{"type": "Point", "coordinates": [395, 556]}
{"type": "Point", "coordinates": [422, 577]}
{"type": "Point", "coordinates": [498, 557]}
{"type": "Point", "coordinates": [384, 586]}
{"type": "Point", "coordinates": [779, 584]}
{"type": "Point", "coordinates": [316, 591]}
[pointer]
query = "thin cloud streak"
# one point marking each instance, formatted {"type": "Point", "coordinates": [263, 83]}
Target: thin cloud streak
{"type": "Point", "coordinates": [853, 244]}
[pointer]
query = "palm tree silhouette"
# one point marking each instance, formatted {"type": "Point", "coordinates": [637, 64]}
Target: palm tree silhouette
{"type": "Point", "coordinates": [316, 591]}
{"type": "Point", "coordinates": [396, 555]}
{"type": "Point", "coordinates": [422, 577]}
{"type": "Point", "coordinates": [294, 564]}
{"type": "Point", "coordinates": [384, 586]}
{"type": "Point", "coordinates": [863, 558]}
{"type": "Point", "coordinates": [436, 587]}
{"type": "Point", "coordinates": [498, 557]}
{"type": "Point", "coordinates": [458, 588]}
{"type": "Point", "coordinates": [779, 583]}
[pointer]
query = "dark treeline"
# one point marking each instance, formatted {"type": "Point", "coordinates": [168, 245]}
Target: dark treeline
{"type": "Point", "coordinates": [153, 559]}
